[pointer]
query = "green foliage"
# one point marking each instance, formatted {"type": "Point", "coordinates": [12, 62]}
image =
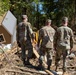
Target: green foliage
{"type": "Point", "coordinates": [4, 6]}
{"type": "Point", "coordinates": [36, 1]}
{"type": "Point", "coordinates": [57, 9]}
{"type": "Point", "coordinates": [20, 7]}
{"type": "Point", "coordinates": [52, 9]}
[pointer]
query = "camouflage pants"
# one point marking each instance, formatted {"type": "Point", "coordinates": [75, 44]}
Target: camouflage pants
{"type": "Point", "coordinates": [26, 46]}
{"type": "Point", "coordinates": [60, 52]}
{"type": "Point", "coordinates": [48, 52]}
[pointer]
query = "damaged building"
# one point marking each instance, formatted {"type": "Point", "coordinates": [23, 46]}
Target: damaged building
{"type": "Point", "coordinates": [8, 28]}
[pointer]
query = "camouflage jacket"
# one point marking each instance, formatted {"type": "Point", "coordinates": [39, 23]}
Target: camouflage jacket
{"type": "Point", "coordinates": [46, 34]}
{"type": "Point", "coordinates": [64, 36]}
{"type": "Point", "coordinates": [24, 31]}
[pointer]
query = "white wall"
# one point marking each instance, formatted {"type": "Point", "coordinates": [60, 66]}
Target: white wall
{"type": "Point", "coordinates": [9, 23]}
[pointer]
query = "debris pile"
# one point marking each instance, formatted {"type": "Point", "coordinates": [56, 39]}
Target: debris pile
{"type": "Point", "coordinates": [11, 63]}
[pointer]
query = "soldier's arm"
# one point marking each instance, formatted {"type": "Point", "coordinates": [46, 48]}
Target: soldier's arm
{"type": "Point", "coordinates": [31, 31]}
{"type": "Point", "coordinates": [17, 33]}
{"type": "Point", "coordinates": [55, 41]}
{"type": "Point", "coordinates": [40, 36]}
{"type": "Point", "coordinates": [56, 38]}
{"type": "Point", "coordinates": [71, 39]}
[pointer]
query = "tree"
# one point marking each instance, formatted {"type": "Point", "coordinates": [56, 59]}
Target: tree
{"type": "Point", "coordinates": [20, 7]}
{"type": "Point", "coordinates": [56, 9]}
{"type": "Point", "coordinates": [4, 6]}
{"type": "Point", "coordinates": [53, 9]}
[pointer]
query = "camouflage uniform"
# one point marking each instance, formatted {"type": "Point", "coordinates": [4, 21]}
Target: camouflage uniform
{"type": "Point", "coordinates": [46, 34]}
{"type": "Point", "coordinates": [63, 43]}
{"type": "Point", "coordinates": [25, 34]}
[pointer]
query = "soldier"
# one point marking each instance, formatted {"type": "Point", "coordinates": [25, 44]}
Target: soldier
{"type": "Point", "coordinates": [63, 42]}
{"type": "Point", "coordinates": [25, 34]}
{"type": "Point", "coordinates": [46, 34]}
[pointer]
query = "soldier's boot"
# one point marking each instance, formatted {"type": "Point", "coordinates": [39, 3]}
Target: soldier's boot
{"type": "Point", "coordinates": [23, 61]}
{"type": "Point", "coordinates": [49, 64]}
{"type": "Point", "coordinates": [28, 62]}
{"type": "Point", "coordinates": [40, 66]}
{"type": "Point", "coordinates": [57, 62]}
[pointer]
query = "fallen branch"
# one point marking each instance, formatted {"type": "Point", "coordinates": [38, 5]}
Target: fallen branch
{"type": "Point", "coordinates": [11, 52]}
{"type": "Point", "coordinates": [10, 70]}
{"type": "Point", "coordinates": [27, 70]}
{"type": "Point", "coordinates": [5, 54]}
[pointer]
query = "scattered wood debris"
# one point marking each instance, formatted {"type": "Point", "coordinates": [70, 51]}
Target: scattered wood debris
{"type": "Point", "coordinates": [11, 64]}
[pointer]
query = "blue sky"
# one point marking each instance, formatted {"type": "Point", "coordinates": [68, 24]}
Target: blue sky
{"type": "Point", "coordinates": [40, 9]}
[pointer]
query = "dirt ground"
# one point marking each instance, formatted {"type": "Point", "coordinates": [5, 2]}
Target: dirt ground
{"type": "Point", "coordinates": [11, 64]}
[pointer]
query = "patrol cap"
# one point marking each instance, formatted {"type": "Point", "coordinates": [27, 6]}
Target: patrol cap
{"type": "Point", "coordinates": [48, 20]}
{"type": "Point", "coordinates": [65, 19]}
{"type": "Point", "coordinates": [24, 16]}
